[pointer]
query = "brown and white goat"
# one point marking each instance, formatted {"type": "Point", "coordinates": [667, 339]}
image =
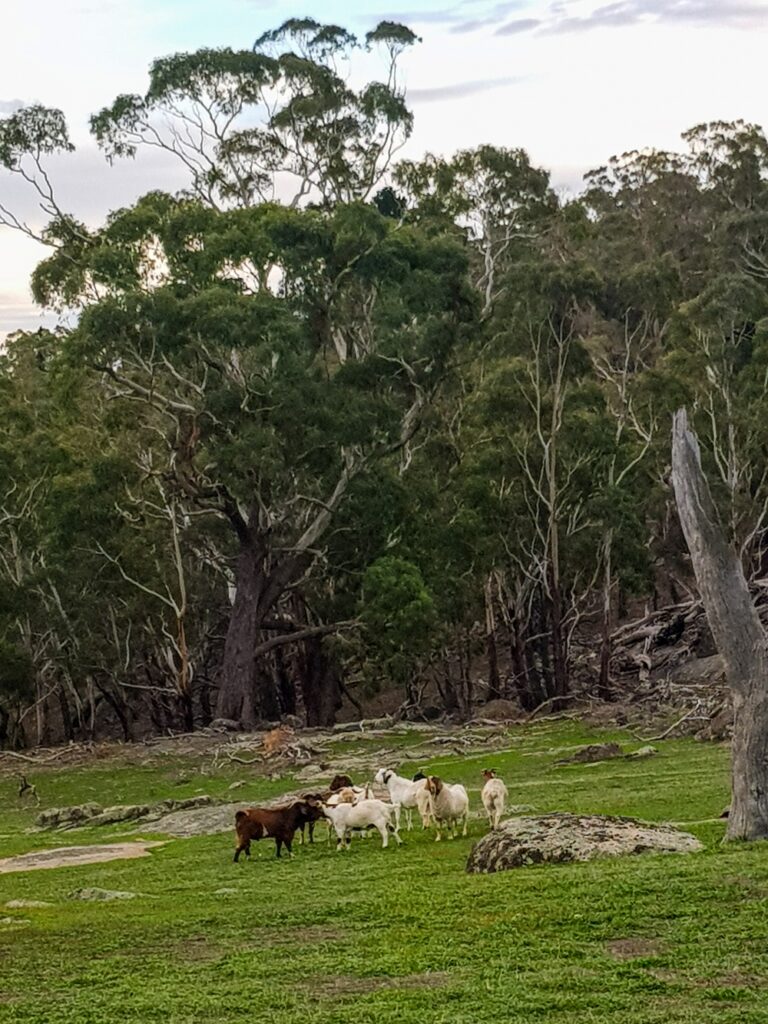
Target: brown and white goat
{"type": "Point", "coordinates": [278, 823]}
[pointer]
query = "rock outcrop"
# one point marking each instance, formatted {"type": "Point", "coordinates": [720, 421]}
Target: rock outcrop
{"type": "Point", "coordinates": [560, 838]}
{"type": "Point", "coordinates": [95, 814]}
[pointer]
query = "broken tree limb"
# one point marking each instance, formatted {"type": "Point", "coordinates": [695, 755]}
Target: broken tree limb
{"type": "Point", "coordinates": [737, 630]}
{"type": "Point", "coordinates": [671, 729]}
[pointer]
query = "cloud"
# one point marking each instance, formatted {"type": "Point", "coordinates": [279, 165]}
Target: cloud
{"type": "Point", "coordinates": [520, 25]}
{"type": "Point", "coordinates": [11, 106]}
{"type": "Point", "coordinates": [733, 14]}
{"type": "Point", "coordinates": [458, 90]}
{"type": "Point", "coordinates": [457, 18]}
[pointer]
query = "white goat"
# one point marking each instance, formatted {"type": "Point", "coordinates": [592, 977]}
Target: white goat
{"type": "Point", "coordinates": [493, 795]}
{"type": "Point", "coordinates": [424, 804]}
{"type": "Point", "coordinates": [450, 804]}
{"type": "Point", "coordinates": [345, 817]}
{"type": "Point", "coordinates": [350, 795]}
{"type": "Point", "coordinates": [402, 792]}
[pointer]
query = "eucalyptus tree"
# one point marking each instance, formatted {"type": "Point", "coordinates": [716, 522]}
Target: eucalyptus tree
{"type": "Point", "coordinates": [278, 351]}
{"type": "Point", "coordinates": [496, 196]}
{"type": "Point", "coordinates": [278, 122]}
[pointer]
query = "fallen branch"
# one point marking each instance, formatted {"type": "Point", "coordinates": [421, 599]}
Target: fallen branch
{"type": "Point", "coordinates": [243, 760]}
{"type": "Point", "coordinates": [34, 760]}
{"type": "Point", "coordinates": [663, 735]}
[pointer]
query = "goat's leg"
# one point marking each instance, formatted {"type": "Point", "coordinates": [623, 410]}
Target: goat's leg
{"type": "Point", "coordinates": [382, 830]}
{"type": "Point", "coordinates": [278, 846]}
{"type": "Point", "coordinates": [464, 829]}
{"type": "Point", "coordinates": [288, 844]}
{"type": "Point", "coordinates": [409, 818]}
{"type": "Point", "coordinates": [243, 847]}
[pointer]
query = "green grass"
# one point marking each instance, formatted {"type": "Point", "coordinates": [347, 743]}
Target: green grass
{"type": "Point", "coordinates": [402, 934]}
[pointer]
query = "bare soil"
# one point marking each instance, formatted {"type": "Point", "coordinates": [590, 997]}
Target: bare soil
{"type": "Point", "coordinates": [628, 949]}
{"type": "Point", "coordinates": [331, 986]}
{"type": "Point", "coordinates": [72, 856]}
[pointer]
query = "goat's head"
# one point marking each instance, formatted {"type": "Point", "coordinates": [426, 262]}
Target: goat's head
{"type": "Point", "coordinates": [340, 782]}
{"type": "Point", "coordinates": [489, 773]}
{"type": "Point", "coordinates": [383, 775]}
{"type": "Point", "coordinates": [434, 784]}
{"type": "Point", "coordinates": [309, 809]}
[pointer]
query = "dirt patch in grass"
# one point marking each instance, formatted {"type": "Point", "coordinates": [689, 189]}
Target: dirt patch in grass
{"type": "Point", "coordinates": [735, 979]}
{"type": "Point", "coordinates": [629, 949]}
{"type": "Point", "coordinates": [313, 933]}
{"type": "Point", "coordinates": [72, 856]}
{"type": "Point", "coordinates": [332, 986]}
{"type": "Point", "coordinates": [301, 935]}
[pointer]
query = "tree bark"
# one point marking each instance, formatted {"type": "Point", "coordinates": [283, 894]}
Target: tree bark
{"type": "Point", "coordinates": [559, 653]}
{"type": "Point", "coordinates": [237, 699]}
{"type": "Point", "coordinates": [321, 690]}
{"type": "Point", "coordinates": [494, 676]}
{"type": "Point", "coordinates": [735, 625]}
{"type": "Point", "coordinates": [604, 688]}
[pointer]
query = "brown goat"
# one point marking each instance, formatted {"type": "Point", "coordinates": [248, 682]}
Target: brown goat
{"type": "Point", "coordinates": [313, 799]}
{"type": "Point", "coordinates": [340, 782]}
{"type": "Point", "coordinates": [278, 823]}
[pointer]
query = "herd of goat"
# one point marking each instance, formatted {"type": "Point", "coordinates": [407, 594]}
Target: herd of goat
{"type": "Point", "coordinates": [347, 808]}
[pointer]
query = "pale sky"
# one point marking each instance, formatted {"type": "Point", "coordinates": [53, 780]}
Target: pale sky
{"type": "Point", "coordinates": [571, 81]}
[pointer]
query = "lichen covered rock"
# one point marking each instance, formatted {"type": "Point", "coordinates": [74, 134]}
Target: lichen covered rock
{"type": "Point", "coordinates": [560, 838]}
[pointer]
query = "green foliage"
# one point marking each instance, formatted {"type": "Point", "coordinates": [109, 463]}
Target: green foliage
{"type": "Point", "coordinates": [431, 394]}
{"type": "Point", "coordinates": [398, 613]}
{"type": "Point", "coordinates": [34, 130]}
{"type": "Point", "coordinates": [16, 671]}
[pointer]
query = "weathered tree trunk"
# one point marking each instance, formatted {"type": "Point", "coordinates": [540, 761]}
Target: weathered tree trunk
{"type": "Point", "coordinates": [237, 699]}
{"type": "Point", "coordinates": [559, 653]}
{"type": "Point", "coordinates": [494, 677]}
{"type": "Point", "coordinates": [604, 688]}
{"type": "Point", "coordinates": [739, 636]}
{"type": "Point", "coordinates": [67, 726]}
{"type": "Point", "coordinates": [322, 693]}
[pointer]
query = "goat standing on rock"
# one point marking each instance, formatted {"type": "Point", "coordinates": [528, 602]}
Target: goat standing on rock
{"type": "Point", "coordinates": [493, 795]}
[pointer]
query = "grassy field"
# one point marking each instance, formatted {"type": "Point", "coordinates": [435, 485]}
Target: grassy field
{"type": "Point", "coordinates": [401, 934]}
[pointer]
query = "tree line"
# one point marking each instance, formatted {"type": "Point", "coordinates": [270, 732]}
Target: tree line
{"type": "Point", "coordinates": [329, 420]}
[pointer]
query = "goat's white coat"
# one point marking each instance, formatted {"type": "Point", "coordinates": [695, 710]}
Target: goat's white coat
{"type": "Point", "coordinates": [424, 804]}
{"type": "Point", "coordinates": [494, 796]}
{"type": "Point", "coordinates": [402, 792]}
{"type": "Point", "coordinates": [344, 817]}
{"type": "Point", "coordinates": [449, 806]}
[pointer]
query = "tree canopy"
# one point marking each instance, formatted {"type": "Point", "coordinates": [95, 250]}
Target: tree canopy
{"type": "Point", "coordinates": [328, 420]}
